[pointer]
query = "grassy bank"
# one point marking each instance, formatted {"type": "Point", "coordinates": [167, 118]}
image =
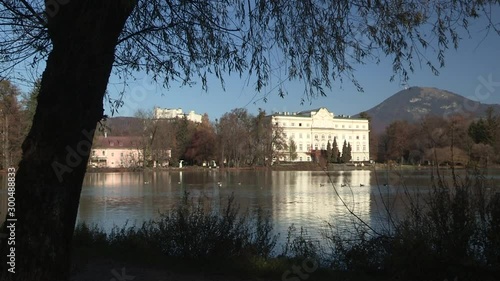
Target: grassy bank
{"type": "Point", "coordinates": [452, 234]}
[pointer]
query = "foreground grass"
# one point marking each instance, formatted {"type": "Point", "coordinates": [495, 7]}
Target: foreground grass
{"type": "Point", "coordinates": [452, 235]}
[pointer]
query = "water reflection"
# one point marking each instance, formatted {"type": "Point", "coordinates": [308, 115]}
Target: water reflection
{"type": "Point", "coordinates": [303, 198]}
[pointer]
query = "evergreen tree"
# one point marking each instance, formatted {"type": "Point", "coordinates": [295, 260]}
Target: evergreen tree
{"type": "Point", "coordinates": [349, 155]}
{"type": "Point", "coordinates": [480, 132]}
{"type": "Point", "coordinates": [293, 150]}
{"type": "Point", "coordinates": [328, 152]}
{"type": "Point", "coordinates": [335, 151]}
{"type": "Point", "coordinates": [344, 152]}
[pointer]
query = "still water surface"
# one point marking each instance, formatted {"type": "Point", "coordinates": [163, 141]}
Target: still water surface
{"type": "Point", "coordinates": [303, 198]}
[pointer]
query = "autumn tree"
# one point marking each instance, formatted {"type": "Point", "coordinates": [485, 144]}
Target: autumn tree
{"type": "Point", "coordinates": [82, 41]}
{"type": "Point", "coordinates": [398, 141]}
{"type": "Point", "coordinates": [277, 145]}
{"type": "Point", "coordinates": [202, 146]}
{"type": "Point", "coordinates": [147, 135]}
{"type": "Point", "coordinates": [234, 134]}
{"type": "Point", "coordinates": [163, 142]}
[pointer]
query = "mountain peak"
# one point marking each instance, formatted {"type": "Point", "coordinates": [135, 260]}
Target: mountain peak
{"type": "Point", "coordinates": [415, 103]}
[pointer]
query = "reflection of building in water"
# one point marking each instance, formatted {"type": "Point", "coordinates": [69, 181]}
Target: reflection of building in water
{"type": "Point", "coordinates": [313, 198]}
{"type": "Point", "coordinates": [117, 198]}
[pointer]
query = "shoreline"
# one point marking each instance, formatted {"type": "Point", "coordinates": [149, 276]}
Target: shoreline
{"type": "Point", "coordinates": [304, 166]}
{"type": "Point", "coordinates": [286, 167]}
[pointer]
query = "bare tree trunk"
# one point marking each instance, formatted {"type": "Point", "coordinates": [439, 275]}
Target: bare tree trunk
{"type": "Point", "coordinates": [84, 34]}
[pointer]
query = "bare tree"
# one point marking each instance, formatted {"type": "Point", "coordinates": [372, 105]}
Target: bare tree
{"type": "Point", "coordinates": [12, 124]}
{"type": "Point", "coordinates": [82, 41]}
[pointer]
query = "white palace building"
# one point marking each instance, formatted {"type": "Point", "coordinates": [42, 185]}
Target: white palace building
{"type": "Point", "coordinates": [313, 129]}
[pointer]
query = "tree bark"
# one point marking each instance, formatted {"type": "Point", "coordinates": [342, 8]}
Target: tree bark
{"type": "Point", "coordinates": [48, 183]}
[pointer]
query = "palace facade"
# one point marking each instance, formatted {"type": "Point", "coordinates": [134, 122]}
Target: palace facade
{"type": "Point", "coordinates": [313, 129]}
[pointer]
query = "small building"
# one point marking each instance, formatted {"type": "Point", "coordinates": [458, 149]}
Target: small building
{"type": "Point", "coordinates": [312, 130]}
{"type": "Point", "coordinates": [116, 152]}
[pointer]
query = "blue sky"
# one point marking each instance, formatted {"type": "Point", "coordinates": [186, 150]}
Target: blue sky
{"type": "Point", "coordinates": [466, 72]}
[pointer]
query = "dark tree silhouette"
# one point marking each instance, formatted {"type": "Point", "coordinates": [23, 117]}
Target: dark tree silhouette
{"type": "Point", "coordinates": [82, 41]}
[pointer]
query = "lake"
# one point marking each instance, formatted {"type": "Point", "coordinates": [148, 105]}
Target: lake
{"type": "Point", "coordinates": [303, 198]}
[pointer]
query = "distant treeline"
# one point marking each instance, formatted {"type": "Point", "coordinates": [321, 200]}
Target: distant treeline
{"type": "Point", "coordinates": [440, 140]}
{"type": "Point", "coordinates": [16, 113]}
{"type": "Point", "coordinates": [236, 139]}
